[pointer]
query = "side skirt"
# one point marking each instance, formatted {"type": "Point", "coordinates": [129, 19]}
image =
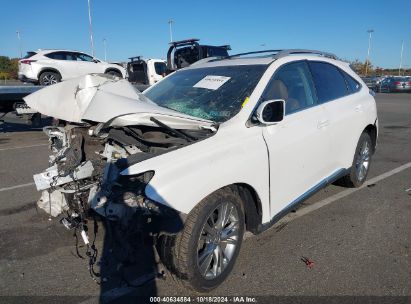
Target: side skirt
{"type": "Point", "coordinates": [321, 185]}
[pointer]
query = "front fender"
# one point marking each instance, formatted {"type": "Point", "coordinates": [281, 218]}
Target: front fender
{"type": "Point", "coordinates": [185, 176]}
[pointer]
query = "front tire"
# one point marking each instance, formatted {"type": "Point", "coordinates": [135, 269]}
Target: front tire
{"type": "Point", "coordinates": [49, 78]}
{"type": "Point", "coordinates": [361, 163]}
{"type": "Point", "coordinates": [114, 73]}
{"type": "Point", "coordinates": [203, 254]}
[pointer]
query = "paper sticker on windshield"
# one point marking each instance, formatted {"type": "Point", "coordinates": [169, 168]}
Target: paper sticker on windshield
{"type": "Point", "coordinates": [211, 82]}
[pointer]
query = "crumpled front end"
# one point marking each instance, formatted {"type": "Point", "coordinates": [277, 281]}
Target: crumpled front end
{"type": "Point", "coordinates": [84, 172]}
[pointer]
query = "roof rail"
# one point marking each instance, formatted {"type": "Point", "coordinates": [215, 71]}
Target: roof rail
{"type": "Point", "coordinates": [284, 53]}
{"type": "Point", "coordinates": [254, 53]}
{"type": "Point", "coordinates": [135, 58]}
{"type": "Point", "coordinates": [276, 54]}
{"type": "Point", "coordinates": [186, 41]}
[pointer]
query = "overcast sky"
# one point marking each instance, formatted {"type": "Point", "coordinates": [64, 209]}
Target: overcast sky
{"type": "Point", "coordinates": [134, 27]}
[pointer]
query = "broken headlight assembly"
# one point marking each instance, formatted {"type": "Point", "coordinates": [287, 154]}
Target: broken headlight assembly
{"type": "Point", "coordinates": [120, 199]}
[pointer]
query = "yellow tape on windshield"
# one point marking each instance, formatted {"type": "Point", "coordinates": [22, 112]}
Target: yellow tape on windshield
{"type": "Point", "coordinates": [245, 101]}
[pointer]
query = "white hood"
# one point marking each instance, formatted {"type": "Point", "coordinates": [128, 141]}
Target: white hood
{"type": "Point", "coordinates": [102, 98]}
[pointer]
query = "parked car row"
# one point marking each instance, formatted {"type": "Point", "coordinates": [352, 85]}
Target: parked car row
{"type": "Point", "coordinates": [47, 67]}
{"type": "Point", "coordinates": [389, 84]}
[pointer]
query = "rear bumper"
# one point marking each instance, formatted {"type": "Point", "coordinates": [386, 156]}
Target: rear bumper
{"type": "Point", "coordinates": [23, 78]}
{"type": "Point", "coordinates": [401, 89]}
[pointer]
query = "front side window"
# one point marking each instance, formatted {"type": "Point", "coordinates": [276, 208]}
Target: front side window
{"type": "Point", "coordinates": [56, 55]}
{"type": "Point", "coordinates": [160, 68]}
{"type": "Point", "coordinates": [83, 57]}
{"type": "Point", "coordinates": [292, 82]}
{"type": "Point", "coordinates": [214, 93]}
{"type": "Point", "coordinates": [329, 82]}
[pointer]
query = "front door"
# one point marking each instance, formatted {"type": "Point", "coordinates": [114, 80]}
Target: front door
{"type": "Point", "coordinates": [298, 146]}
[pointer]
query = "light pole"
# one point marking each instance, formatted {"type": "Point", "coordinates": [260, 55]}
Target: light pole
{"type": "Point", "coordinates": [105, 48]}
{"type": "Point", "coordinates": [370, 31]}
{"type": "Point", "coordinates": [170, 23]}
{"type": "Point", "coordinates": [19, 39]}
{"type": "Point", "coordinates": [402, 50]}
{"type": "Point", "coordinates": [90, 29]}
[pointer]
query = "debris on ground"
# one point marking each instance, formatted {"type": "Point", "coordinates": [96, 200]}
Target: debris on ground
{"type": "Point", "coordinates": [308, 262]}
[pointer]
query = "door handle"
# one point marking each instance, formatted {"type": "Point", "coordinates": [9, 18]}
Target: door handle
{"type": "Point", "coordinates": [323, 123]}
{"type": "Point", "coordinates": [358, 108]}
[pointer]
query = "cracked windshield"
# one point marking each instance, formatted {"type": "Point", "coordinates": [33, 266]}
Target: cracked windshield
{"type": "Point", "coordinates": [214, 93]}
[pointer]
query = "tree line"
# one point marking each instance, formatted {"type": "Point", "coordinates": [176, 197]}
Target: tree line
{"type": "Point", "coordinates": [8, 67]}
{"type": "Point", "coordinates": [366, 68]}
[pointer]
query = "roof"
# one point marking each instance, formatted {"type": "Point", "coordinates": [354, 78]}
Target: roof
{"type": "Point", "coordinates": [265, 57]}
{"type": "Point", "coordinates": [58, 50]}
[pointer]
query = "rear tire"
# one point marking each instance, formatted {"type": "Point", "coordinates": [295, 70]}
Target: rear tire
{"type": "Point", "coordinates": [361, 163]}
{"type": "Point", "coordinates": [202, 255]}
{"type": "Point", "coordinates": [49, 78]}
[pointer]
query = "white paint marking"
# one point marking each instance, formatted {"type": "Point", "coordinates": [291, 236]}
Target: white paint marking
{"type": "Point", "coordinates": [16, 187]}
{"type": "Point", "coordinates": [23, 147]}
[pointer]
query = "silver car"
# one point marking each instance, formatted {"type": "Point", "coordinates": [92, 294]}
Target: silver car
{"type": "Point", "coordinates": [395, 84]}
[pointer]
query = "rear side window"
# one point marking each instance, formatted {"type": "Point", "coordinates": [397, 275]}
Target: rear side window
{"type": "Point", "coordinates": [293, 83]}
{"type": "Point", "coordinates": [352, 84]}
{"type": "Point", "coordinates": [329, 82]}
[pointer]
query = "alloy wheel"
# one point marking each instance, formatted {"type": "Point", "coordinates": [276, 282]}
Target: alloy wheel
{"type": "Point", "coordinates": [363, 161]}
{"type": "Point", "coordinates": [218, 240]}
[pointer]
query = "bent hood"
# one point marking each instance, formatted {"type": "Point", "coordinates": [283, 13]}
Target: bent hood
{"type": "Point", "coordinates": [103, 98]}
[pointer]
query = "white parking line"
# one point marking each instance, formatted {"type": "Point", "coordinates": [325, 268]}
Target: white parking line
{"type": "Point", "coordinates": [23, 147]}
{"type": "Point", "coordinates": [317, 205]}
{"type": "Point", "coordinates": [16, 187]}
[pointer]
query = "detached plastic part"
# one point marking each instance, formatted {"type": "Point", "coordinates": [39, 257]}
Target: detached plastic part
{"type": "Point", "coordinates": [53, 202]}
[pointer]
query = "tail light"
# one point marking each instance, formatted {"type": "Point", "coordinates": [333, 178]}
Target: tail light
{"type": "Point", "coordinates": [397, 83]}
{"type": "Point", "coordinates": [26, 61]}
{"type": "Point", "coordinates": [409, 82]}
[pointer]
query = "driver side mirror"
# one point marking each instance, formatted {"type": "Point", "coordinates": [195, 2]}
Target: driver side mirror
{"type": "Point", "coordinates": [271, 111]}
{"type": "Point", "coordinates": [95, 60]}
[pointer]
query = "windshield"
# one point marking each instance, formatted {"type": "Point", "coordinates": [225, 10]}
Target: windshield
{"type": "Point", "coordinates": [215, 93]}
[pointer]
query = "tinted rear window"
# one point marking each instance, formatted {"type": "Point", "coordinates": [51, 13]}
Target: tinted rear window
{"type": "Point", "coordinates": [329, 82]}
{"type": "Point", "coordinates": [29, 54]}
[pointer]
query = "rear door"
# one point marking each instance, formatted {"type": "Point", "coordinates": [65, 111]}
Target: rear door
{"type": "Point", "coordinates": [298, 146]}
{"type": "Point", "coordinates": [340, 96]}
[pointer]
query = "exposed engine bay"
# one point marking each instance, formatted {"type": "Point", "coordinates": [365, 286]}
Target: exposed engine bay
{"type": "Point", "coordinates": [85, 168]}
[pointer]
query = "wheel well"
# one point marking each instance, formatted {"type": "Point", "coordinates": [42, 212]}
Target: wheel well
{"type": "Point", "coordinates": [372, 131]}
{"type": "Point", "coordinates": [252, 206]}
{"type": "Point", "coordinates": [113, 70]}
{"type": "Point", "coordinates": [47, 70]}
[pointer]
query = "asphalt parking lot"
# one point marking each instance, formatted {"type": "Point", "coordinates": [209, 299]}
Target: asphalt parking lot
{"type": "Point", "coordinates": [359, 240]}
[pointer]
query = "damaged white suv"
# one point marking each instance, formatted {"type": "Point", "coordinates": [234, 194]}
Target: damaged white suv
{"type": "Point", "coordinates": [209, 152]}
